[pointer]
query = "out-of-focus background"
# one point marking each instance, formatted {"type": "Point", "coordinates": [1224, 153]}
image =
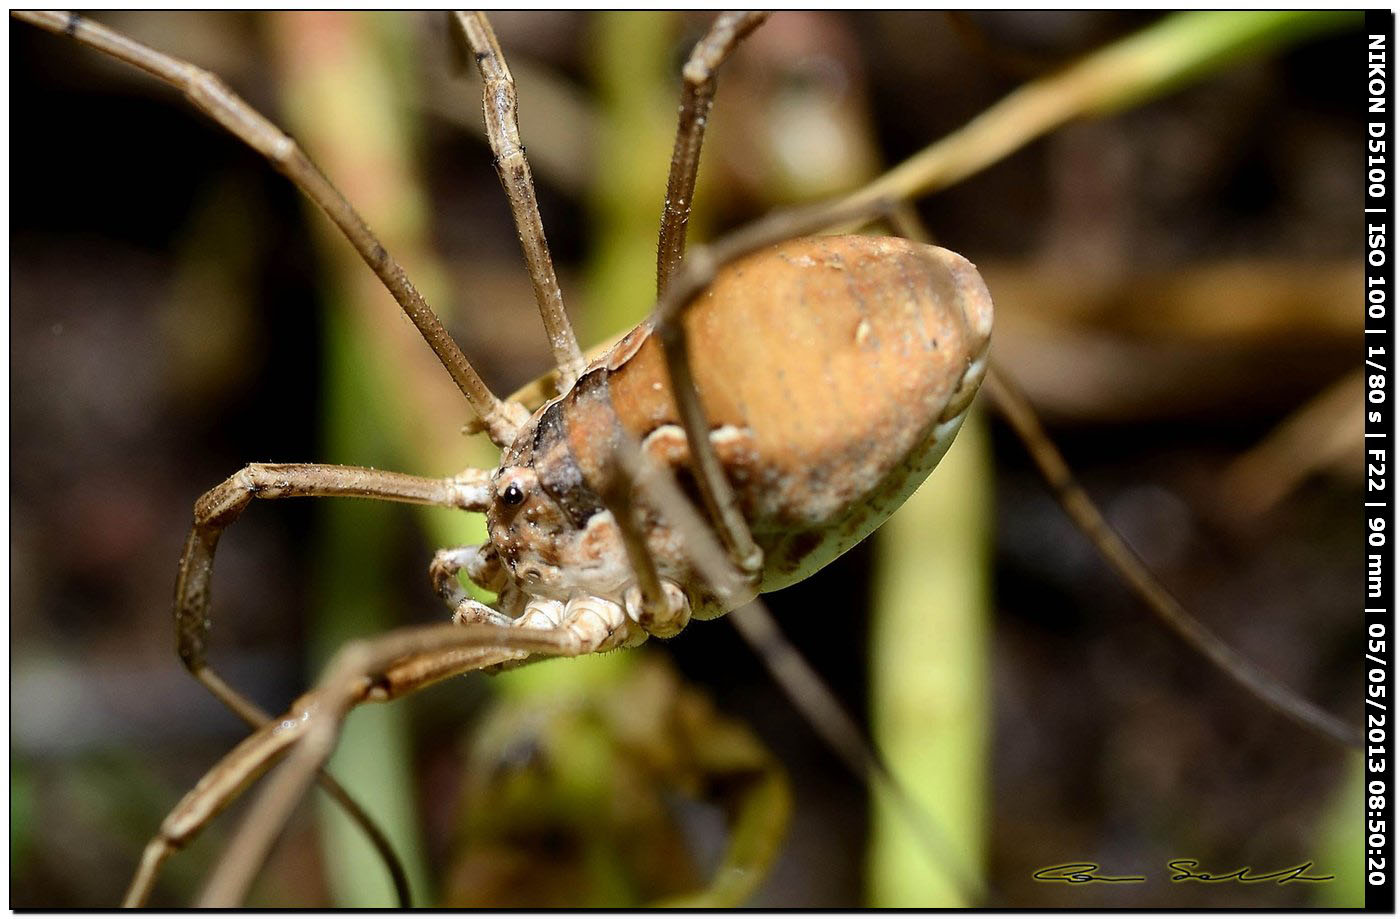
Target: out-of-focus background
{"type": "Point", "coordinates": [1176, 291]}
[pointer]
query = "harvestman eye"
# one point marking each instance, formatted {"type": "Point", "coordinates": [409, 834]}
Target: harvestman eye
{"type": "Point", "coordinates": [513, 495]}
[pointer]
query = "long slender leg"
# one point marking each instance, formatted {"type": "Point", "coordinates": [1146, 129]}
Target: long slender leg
{"type": "Point", "coordinates": [395, 664]}
{"type": "Point", "coordinates": [1014, 407]}
{"type": "Point", "coordinates": [256, 718]}
{"type": "Point", "coordinates": [821, 709]}
{"type": "Point", "coordinates": [379, 669]}
{"type": "Point", "coordinates": [241, 765]}
{"type": "Point", "coordinates": [503, 132]}
{"type": "Point", "coordinates": [219, 507]}
{"type": "Point", "coordinates": [209, 94]}
{"type": "Point", "coordinates": [222, 505]}
{"type": "Point", "coordinates": [697, 98]}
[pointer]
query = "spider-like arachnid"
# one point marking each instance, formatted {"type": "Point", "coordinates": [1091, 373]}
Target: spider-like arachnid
{"type": "Point", "coordinates": [226, 592]}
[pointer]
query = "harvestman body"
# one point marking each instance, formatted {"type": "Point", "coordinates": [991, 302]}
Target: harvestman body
{"type": "Point", "coordinates": [883, 344]}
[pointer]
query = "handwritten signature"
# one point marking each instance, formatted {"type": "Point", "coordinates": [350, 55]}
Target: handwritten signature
{"type": "Point", "coordinates": [1182, 870]}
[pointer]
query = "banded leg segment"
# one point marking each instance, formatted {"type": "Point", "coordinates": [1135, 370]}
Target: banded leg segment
{"type": "Point", "coordinates": [209, 94]}
{"type": "Point", "coordinates": [503, 132]}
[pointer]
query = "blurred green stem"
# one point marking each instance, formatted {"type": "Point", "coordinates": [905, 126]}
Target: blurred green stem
{"type": "Point", "coordinates": [929, 666]}
{"type": "Point", "coordinates": [637, 93]}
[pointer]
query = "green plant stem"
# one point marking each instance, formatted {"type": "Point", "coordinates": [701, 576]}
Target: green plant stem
{"type": "Point", "coordinates": [930, 711]}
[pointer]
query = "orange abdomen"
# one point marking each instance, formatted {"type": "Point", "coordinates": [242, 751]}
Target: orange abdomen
{"type": "Point", "coordinates": [830, 369]}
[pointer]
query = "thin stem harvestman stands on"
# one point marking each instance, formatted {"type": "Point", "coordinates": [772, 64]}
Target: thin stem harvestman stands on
{"type": "Point", "coordinates": [582, 470]}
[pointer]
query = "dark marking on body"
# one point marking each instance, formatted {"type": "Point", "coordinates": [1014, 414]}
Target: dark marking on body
{"type": "Point", "coordinates": [555, 461]}
{"type": "Point", "coordinates": [558, 469]}
{"type": "Point", "coordinates": [799, 547]}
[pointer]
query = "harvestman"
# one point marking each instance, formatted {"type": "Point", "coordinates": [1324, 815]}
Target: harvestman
{"type": "Point", "coordinates": [594, 545]}
{"type": "Point", "coordinates": [541, 620]}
